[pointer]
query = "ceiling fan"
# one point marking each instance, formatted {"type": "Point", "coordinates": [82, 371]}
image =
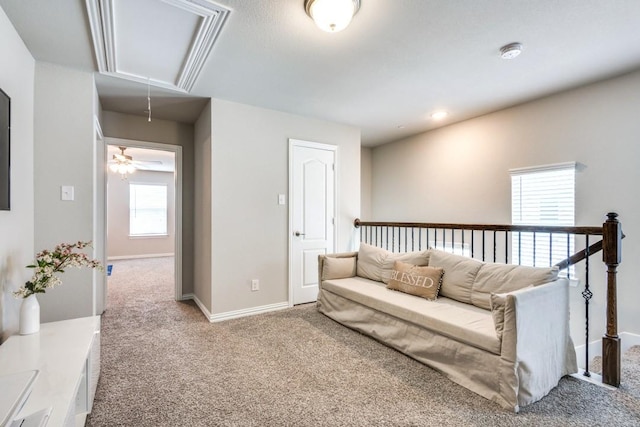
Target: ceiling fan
{"type": "Point", "coordinates": [124, 164]}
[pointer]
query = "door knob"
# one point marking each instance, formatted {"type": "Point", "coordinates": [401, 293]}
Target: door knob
{"type": "Point", "coordinates": [298, 234]}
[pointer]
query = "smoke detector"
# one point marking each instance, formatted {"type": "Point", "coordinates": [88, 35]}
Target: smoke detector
{"type": "Point", "coordinates": [511, 50]}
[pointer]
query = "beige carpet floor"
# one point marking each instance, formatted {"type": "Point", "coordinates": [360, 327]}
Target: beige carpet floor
{"type": "Point", "coordinates": [164, 364]}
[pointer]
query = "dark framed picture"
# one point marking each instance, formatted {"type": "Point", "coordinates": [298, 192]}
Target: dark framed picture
{"type": "Point", "coordinates": [5, 133]}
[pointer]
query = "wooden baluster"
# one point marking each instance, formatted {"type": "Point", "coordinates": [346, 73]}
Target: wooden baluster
{"type": "Point", "coordinates": [611, 255]}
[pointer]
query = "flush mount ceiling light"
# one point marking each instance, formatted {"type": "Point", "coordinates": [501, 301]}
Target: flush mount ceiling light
{"type": "Point", "coordinates": [511, 50]}
{"type": "Point", "coordinates": [332, 15]}
{"type": "Point", "coordinates": [122, 164]}
{"type": "Point", "coordinates": [439, 115]}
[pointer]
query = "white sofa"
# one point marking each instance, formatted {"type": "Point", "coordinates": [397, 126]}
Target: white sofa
{"type": "Point", "coordinates": [499, 330]}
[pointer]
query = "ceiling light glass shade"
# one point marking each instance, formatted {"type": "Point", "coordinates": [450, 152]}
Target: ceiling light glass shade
{"type": "Point", "coordinates": [332, 15]}
{"type": "Point", "coordinates": [439, 115]}
{"type": "Point", "coordinates": [113, 167]}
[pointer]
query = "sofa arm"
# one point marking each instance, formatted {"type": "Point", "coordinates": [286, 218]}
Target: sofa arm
{"type": "Point", "coordinates": [536, 343]}
{"type": "Point", "coordinates": [322, 258]}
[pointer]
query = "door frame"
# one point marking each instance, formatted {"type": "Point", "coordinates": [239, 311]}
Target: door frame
{"type": "Point", "coordinates": [177, 182]}
{"type": "Point", "coordinates": [319, 146]}
{"type": "Point", "coordinates": [100, 219]}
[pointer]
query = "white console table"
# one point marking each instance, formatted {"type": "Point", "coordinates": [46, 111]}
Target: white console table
{"type": "Point", "coordinates": [67, 356]}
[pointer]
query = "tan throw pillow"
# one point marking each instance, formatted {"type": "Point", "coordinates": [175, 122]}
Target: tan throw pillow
{"type": "Point", "coordinates": [419, 281]}
{"type": "Point", "coordinates": [420, 258]}
{"type": "Point", "coordinates": [370, 262]}
{"type": "Point", "coordinates": [338, 268]}
{"type": "Point", "coordinates": [460, 272]}
{"type": "Point", "coordinates": [503, 278]}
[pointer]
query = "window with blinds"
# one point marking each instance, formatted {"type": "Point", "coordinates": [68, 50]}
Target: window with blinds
{"type": "Point", "coordinates": [542, 196]}
{"type": "Point", "coordinates": [147, 209]}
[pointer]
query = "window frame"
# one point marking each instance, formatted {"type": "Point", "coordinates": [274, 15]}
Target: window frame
{"type": "Point", "coordinates": [166, 210]}
{"type": "Point", "coordinates": [560, 247]}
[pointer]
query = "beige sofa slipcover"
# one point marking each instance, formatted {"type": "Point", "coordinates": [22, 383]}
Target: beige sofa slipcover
{"type": "Point", "coordinates": [513, 360]}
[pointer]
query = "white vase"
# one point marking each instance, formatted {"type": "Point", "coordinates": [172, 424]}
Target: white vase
{"type": "Point", "coordinates": [29, 315]}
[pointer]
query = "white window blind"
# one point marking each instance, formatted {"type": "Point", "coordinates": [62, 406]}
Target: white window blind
{"type": "Point", "coordinates": [543, 196]}
{"type": "Point", "coordinates": [147, 209]}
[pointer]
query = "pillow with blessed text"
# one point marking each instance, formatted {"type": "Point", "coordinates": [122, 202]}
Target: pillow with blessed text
{"type": "Point", "coordinates": [419, 281]}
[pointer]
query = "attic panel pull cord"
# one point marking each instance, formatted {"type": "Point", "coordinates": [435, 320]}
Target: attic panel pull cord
{"type": "Point", "coordinates": [149, 98]}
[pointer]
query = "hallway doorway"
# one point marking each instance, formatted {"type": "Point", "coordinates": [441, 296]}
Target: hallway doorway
{"type": "Point", "coordinates": [144, 215]}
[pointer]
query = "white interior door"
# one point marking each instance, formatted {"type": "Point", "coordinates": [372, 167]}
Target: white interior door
{"type": "Point", "coordinates": [312, 215]}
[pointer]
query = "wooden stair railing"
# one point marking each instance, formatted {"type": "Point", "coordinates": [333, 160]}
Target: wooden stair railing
{"type": "Point", "coordinates": [610, 245]}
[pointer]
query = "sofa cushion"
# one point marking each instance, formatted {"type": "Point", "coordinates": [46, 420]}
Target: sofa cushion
{"type": "Point", "coordinates": [459, 321]}
{"type": "Point", "coordinates": [414, 280]}
{"type": "Point", "coordinates": [459, 274]}
{"type": "Point", "coordinates": [338, 268]}
{"type": "Point", "coordinates": [504, 278]}
{"type": "Point", "coordinates": [370, 262]}
{"type": "Point", "coordinates": [376, 263]}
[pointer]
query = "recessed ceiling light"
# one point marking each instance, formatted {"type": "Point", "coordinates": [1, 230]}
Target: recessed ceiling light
{"type": "Point", "coordinates": [439, 115]}
{"type": "Point", "coordinates": [400, 126]}
{"type": "Point", "coordinates": [511, 50]}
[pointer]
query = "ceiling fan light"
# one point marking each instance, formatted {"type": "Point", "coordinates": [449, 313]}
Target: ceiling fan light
{"type": "Point", "coordinates": [131, 168]}
{"type": "Point", "coordinates": [113, 167]}
{"type": "Point", "coordinates": [332, 15]}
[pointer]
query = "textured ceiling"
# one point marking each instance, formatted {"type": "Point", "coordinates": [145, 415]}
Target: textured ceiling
{"type": "Point", "coordinates": [397, 62]}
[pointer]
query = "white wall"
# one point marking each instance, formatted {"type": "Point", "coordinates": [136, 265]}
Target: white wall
{"type": "Point", "coordinates": [460, 173]}
{"type": "Point", "coordinates": [202, 211]}
{"type": "Point", "coordinates": [249, 169]}
{"type": "Point", "coordinates": [64, 155]}
{"type": "Point", "coordinates": [16, 226]}
{"type": "Point", "coordinates": [119, 243]}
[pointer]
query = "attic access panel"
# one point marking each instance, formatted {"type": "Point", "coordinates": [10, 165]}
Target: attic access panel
{"type": "Point", "coordinates": [162, 43]}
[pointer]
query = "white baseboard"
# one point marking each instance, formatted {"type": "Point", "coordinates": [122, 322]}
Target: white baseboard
{"type": "Point", "coordinates": [593, 379]}
{"type": "Point", "coordinates": [219, 317]}
{"type": "Point", "coordinates": [627, 339]}
{"type": "Point", "coordinates": [119, 257]}
{"type": "Point", "coordinates": [199, 303]}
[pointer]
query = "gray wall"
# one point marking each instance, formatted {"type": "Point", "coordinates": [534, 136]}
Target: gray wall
{"type": "Point", "coordinates": [64, 155]}
{"type": "Point", "coordinates": [460, 173]}
{"type": "Point", "coordinates": [202, 218]}
{"type": "Point", "coordinates": [125, 126]}
{"type": "Point", "coordinates": [366, 178]}
{"type": "Point", "coordinates": [249, 169]}
{"type": "Point", "coordinates": [119, 244]}
{"type": "Point", "coordinates": [16, 226]}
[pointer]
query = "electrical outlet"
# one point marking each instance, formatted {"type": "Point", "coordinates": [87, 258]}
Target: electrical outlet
{"type": "Point", "coordinates": [255, 285]}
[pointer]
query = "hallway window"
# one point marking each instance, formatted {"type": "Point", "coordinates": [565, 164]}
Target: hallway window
{"type": "Point", "coordinates": [543, 195]}
{"type": "Point", "coordinates": [147, 209]}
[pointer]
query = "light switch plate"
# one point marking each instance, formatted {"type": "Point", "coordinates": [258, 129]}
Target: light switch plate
{"type": "Point", "coordinates": [66, 193]}
{"type": "Point", "coordinates": [282, 199]}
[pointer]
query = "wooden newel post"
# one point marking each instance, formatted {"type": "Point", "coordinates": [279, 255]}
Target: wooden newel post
{"type": "Point", "coordinates": [612, 241]}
